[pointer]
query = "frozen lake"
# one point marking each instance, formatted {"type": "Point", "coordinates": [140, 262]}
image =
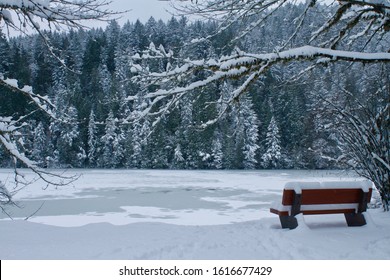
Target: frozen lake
{"type": "Point", "coordinates": [155, 214]}
{"type": "Point", "coordinates": [122, 197]}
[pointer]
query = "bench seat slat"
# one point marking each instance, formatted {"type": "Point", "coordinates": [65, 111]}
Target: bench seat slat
{"type": "Point", "coordinates": [314, 209]}
{"type": "Point", "coordinates": [315, 212]}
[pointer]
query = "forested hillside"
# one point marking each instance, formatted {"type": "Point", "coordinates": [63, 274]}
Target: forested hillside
{"type": "Point", "coordinates": [283, 122]}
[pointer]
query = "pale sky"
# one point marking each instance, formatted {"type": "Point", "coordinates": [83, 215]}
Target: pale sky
{"type": "Point", "coordinates": [142, 9]}
{"type": "Point", "coordinates": [137, 9]}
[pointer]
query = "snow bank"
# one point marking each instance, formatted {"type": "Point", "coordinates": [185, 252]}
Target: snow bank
{"type": "Point", "coordinates": [155, 214]}
{"type": "Point", "coordinates": [317, 238]}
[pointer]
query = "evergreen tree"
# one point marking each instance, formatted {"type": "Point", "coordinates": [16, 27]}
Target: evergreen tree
{"type": "Point", "coordinates": [42, 72]}
{"type": "Point", "coordinates": [226, 129]}
{"type": "Point", "coordinates": [217, 154]}
{"type": "Point", "coordinates": [136, 145]}
{"type": "Point", "coordinates": [112, 34]}
{"type": "Point", "coordinates": [185, 133]}
{"type": "Point", "coordinates": [271, 158]}
{"type": "Point", "coordinates": [69, 144]}
{"type": "Point", "coordinates": [92, 140]}
{"type": "Point", "coordinates": [178, 159]}
{"type": "Point", "coordinates": [251, 134]}
{"type": "Point", "coordinates": [107, 142]}
{"type": "Point", "coordinates": [5, 54]}
{"type": "Point", "coordinates": [139, 38]}
{"type": "Point", "coordinates": [39, 149]}
{"type": "Point", "coordinates": [119, 149]}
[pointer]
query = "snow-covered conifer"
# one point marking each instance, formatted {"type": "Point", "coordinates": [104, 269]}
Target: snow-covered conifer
{"type": "Point", "coordinates": [39, 151]}
{"type": "Point", "coordinates": [178, 159]}
{"type": "Point", "coordinates": [68, 142]}
{"type": "Point", "coordinates": [119, 148]}
{"type": "Point", "coordinates": [272, 155]}
{"type": "Point", "coordinates": [251, 134]}
{"type": "Point", "coordinates": [107, 142]}
{"type": "Point", "coordinates": [92, 140]}
{"type": "Point", "coordinates": [217, 154]}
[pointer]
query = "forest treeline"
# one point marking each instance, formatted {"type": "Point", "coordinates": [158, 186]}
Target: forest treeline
{"type": "Point", "coordinates": [282, 122]}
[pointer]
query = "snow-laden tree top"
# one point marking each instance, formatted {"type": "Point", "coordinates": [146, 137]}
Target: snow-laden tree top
{"type": "Point", "coordinates": [21, 13]}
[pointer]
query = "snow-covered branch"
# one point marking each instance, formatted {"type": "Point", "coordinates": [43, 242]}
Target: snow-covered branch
{"type": "Point", "coordinates": [41, 102]}
{"type": "Point", "coordinates": [364, 131]}
{"type": "Point", "coordinates": [26, 16]}
{"type": "Point", "coordinates": [240, 65]}
{"type": "Point", "coordinates": [346, 18]}
{"type": "Point", "coordinates": [39, 15]}
{"type": "Point", "coordinates": [53, 12]}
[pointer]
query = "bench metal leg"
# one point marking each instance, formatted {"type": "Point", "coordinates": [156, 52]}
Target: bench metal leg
{"type": "Point", "coordinates": [355, 219]}
{"type": "Point", "coordinates": [288, 222]}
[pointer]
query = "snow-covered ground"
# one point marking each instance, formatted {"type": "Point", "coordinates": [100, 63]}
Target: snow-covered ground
{"type": "Point", "coordinates": [145, 214]}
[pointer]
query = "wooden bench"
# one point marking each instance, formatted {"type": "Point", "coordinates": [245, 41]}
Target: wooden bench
{"type": "Point", "coordinates": [348, 198]}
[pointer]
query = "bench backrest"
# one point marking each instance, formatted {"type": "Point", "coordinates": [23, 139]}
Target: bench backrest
{"type": "Point", "coordinates": [325, 196]}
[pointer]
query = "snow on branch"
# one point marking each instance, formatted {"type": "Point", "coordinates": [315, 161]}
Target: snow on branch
{"type": "Point", "coordinates": [240, 65]}
{"type": "Point", "coordinates": [344, 20]}
{"type": "Point", "coordinates": [376, 157]}
{"type": "Point", "coordinates": [57, 12]}
{"type": "Point", "coordinates": [8, 134]}
{"type": "Point", "coordinates": [28, 15]}
{"type": "Point", "coordinates": [229, 13]}
{"type": "Point", "coordinates": [24, 16]}
{"type": "Point", "coordinates": [41, 102]}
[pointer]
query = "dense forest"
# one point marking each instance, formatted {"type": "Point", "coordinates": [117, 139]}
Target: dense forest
{"type": "Point", "coordinates": [282, 122]}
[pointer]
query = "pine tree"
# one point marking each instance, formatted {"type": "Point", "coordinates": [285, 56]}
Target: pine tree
{"type": "Point", "coordinates": [39, 151]}
{"type": "Point", "coordinates": [42, 74]}
{"type": "Point", "coordinates": [178, 159]}
{"type": "Point", "coordinates": [112, 34]}
{"type": "Point", "coordinates": [185, 133]}
{"type": "Point", "coordinates": [92, 140]}
{"type": "Point", "coordinates": [136, 146]}
{"type": "Point", "coordinates": [271, 158]}
{"type": "Point", "coordinates": [251, 134]}
{"type": "Point", "coordinates": [72, 133]}
{"type": "Point", "coordinates": [226, 128]}
{"type": "Point", "coordinates": [107, 142]}
{"type": "Point", "coordinates": [119, 149]}
{"type": "Point", "coordinates": [139, 135]}
{"type": "Point", "coordinates": [245, 130]}
{"type": "Point", "coordinates": [217, 154]}
{"type": "Point", "coordinates": [4, 54]}
{"type": "Point", "coordinates": [69, 144]}
{"type": "Point", "coordinates": [138, 36]}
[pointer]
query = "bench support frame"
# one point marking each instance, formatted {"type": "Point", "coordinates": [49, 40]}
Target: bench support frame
{"type": "Point", "coordinates": [355, 219]}
{"type": "Point", "coordinates": [288, 222]}
{"type": "Point", "coordinates": [352, 219]}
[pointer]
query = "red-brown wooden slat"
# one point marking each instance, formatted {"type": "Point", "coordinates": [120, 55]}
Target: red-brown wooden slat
{"type": "Point", "coordinates": [280, 213]}
{"type": "Point", "coordinates": [315, 212]}
{"type": "Point", "coordinates": [325, 196]}
{"type": "Point", "coordinates": [333, 211]}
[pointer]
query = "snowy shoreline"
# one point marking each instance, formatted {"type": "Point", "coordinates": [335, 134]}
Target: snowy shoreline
{"type": "Point", "coordinates": [262, 239]}
{"type": "Point", "coordinates": [157, 214]}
